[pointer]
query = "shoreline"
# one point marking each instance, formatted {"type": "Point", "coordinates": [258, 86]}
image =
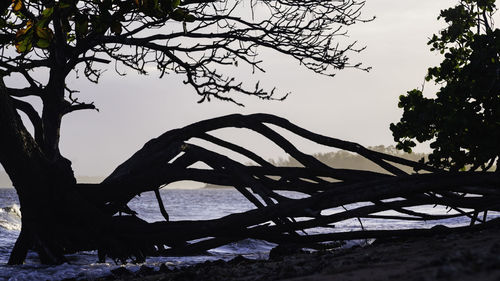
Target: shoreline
{"type": "Point", "coordinates": [472, 255]}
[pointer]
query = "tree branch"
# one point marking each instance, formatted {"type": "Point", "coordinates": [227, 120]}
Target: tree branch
{"type": "Point", "coordinates": [25, 92]}
{"type": "Point", "coordinates": [79, 106]}
{"type": "Point", "coordinates": [32, 114]}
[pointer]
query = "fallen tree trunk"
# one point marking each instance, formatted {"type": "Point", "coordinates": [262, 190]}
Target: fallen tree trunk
{"type": "Point", "coordinates": [170, 157]}
{"type": "Point", "coordinates": [331, 195]}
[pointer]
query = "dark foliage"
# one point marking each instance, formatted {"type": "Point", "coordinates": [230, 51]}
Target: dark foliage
{"type": "Point", "coordinates": [463, 120]}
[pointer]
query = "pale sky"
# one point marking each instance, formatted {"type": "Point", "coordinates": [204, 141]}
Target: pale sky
{"type": "Point", "coordinates": [354, 105]}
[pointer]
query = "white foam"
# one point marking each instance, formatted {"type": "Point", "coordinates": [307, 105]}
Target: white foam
{"type": "Point", "coordinates": [10, 226]}
{"type": "Point", "coordinates": [13, 210]}
{"type": "Point", "coordinates": [10, 217]}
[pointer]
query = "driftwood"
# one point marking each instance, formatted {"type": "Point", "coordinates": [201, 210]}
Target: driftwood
{"type": "Point", "coordinates": [276, 218]}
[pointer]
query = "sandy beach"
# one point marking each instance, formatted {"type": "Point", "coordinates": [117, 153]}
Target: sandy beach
{"type": "Point", "coordinates": [473, 255]}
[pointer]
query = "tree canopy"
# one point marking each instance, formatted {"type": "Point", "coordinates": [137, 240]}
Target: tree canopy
{"type": "Point", "coordinates": [204, 40]}
{"type": "Point", "coordinates": [190, 37]}
{"type": "Point", "coordinates": [463, 120]}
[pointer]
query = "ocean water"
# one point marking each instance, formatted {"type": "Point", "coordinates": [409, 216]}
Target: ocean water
{"type": "Point", "coordinates": [181, 204]}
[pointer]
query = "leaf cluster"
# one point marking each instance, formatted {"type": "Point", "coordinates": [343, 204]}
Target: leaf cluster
{"type": "Point", "coordinates": [32, 21]}
{"type": "Point", "coordinates": [463, 120]}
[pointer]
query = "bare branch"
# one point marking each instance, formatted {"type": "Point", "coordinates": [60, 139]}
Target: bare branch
{"type": "Point", "coordinates": [32, 114]}
{"type": "Point", "coordinates": [25, 92]}
{"type": "Point", "coordinates": [80, 106]}
{"type": "Point", "coordinates": [224, 34]}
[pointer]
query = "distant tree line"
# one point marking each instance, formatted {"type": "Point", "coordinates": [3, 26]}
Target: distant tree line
{"type": "Point", "coordinates": [346, 160]}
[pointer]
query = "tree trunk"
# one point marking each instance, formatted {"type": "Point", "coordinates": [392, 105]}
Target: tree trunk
{"type": "Point", "coordinates": [43, 187]}
{"type": "Point", "coordinates": [56, 217]}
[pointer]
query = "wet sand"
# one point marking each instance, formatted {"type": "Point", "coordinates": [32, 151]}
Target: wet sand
{"type": "Point", "coordinates": [473, 255]}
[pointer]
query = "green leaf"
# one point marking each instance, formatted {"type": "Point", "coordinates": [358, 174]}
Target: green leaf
{"type": "Point", "coordinates": [43, 43]}
{"type": "Point", "coordinates": [189, 18]}
{"type": "Point", "coordinates": [24, 38]}
{"type": "Point", "coordinates": [25, 45]}
{"type": "Point", "coordinates": [71, 37]}
{"type": "Point", "coordinates": [44, 33]}
{"type": "Point", "coordinates": [181, 14]}
{"type": "Point", "coordinates": [47, 12]}
{"type": "Point", "coordinates": [178, 15]}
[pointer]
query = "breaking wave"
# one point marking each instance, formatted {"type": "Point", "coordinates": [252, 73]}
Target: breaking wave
{"type": "Point", "coordinates": [10, 217]}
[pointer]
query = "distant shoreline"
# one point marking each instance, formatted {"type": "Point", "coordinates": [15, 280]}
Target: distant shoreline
{"type": "Point", "coordinates": [214, 186]}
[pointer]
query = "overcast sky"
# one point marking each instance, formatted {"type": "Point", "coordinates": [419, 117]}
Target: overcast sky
{"type": "Point", "coordinates": [354, 105]}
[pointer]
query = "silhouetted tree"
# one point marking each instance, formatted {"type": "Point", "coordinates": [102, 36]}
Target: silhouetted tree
{"type": "Point", "coordinates": [463, 120]}
{"type": "Point", "coordinates": [196, 38]}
